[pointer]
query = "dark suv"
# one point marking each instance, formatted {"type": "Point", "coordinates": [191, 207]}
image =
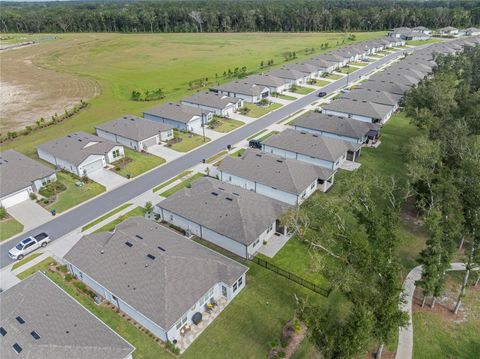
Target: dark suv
{"type": "Point", "coordinates": [255, 144]}
{"type": "Point", "coordinates": [322, 94]}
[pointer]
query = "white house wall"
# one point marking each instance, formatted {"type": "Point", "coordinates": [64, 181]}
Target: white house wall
{"type": "Point", "coordinates": [304, 158]}
{"type": "Point", "coordinates": [39, 183]}
{"type": "Point", "coordinates": [58, 162]}
{"type": "Point", "coordinates": [110, 157]}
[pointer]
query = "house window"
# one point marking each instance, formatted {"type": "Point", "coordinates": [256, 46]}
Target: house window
{"type": "Point", "coordinates": [171, 217]}
{"type": "Point", "coordinates": [113, 297]}
{"type": "Point", "coordinates": [230, 178]}
{"type": "Point", "coordinates": [178, 325]}
{"type": "Point", "coordinates": [234, 287]}
{"type": "Point", "coordinates": [80, 274]}
{"type": "Point", "coordinates": [184, 319]}
{"type": "Point", "coordinates": [240, 281]}
{"type": "Point", "coordinates": [116, 153]}
{"type": "Point", "coordinates": [312, 185]}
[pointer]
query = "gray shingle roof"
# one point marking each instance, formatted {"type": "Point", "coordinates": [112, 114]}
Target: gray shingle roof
{"type": "Point", "coordinates": [320, 147]}
{"type": "Point", "coordinates": [73, 147]}
{"type": "Point", "coordinates": [334, 124]}
{"type": "Point", "coordinates": [241, 87]}
{"type": "Point", "coordinates": [376, 96]}
{"type": "Point", "coordinates": [18, 171]}
{"type": "Point", "coordinates": [162, 289]}
{"type": "Point", "coordinates": [287, 74]}
{"type": "Point", "coordinates": [176, 112]}
{"type": "Point", "coordinates": [287, 175]}
{"type": "Point", "coordinates": [397, 77]}
{"type": "Point", "coordinates": [361, 108]}
{"type": "Point", "coordinates": [211, 99]}
{"type": "Point", "coordinates": [234, 212]}
{"type": "Point", "coordinates": [302, 67]}
{"type": "Point", "coordinates": [387, 86]}
{"type": "Point", "coordinates": [266, 80]}
{"type": "Point", "coordinates": [321, 62]}
{"type": "Point", "coordinates": [65, 327]}
{"type": "Point", "coordinates": [134, 127]}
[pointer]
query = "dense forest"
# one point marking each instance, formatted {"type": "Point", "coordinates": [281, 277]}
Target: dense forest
{"type": "Point", "coordinates": [234, 15]}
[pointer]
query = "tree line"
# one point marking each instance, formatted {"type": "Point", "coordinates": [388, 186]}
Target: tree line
{"type": "Point", "coordinates": [234, 16]}
{"type": "Point", "coordinates": [444, 168]}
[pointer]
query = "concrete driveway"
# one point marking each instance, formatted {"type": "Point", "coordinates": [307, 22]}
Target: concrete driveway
{"type": "Point", "coordinates": [107, 178]}
{"type": "Point", "coordinates": [162, 151]}
{"type": "Point", "coordinates": [30, 214]}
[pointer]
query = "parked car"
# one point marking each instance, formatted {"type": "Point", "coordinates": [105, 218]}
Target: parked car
{"type": "Point", "coordinates": [322, 94]}
{"type": "Point", "coordinates": [344, 91]}
{"type": "Point", "coordinates": [28, 245]}
{"type": "Point", "coordinates": [255, 144]}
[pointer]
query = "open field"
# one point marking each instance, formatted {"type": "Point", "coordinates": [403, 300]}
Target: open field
{"type": "Point", "coordinates": [112, 65]}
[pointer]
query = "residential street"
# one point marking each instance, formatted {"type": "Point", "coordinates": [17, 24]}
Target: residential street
{"type": "Point", "coordinates": [135, 187]}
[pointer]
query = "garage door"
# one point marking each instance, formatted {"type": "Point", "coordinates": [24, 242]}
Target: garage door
{"type": "Point", "coordinates": [91, 167]}
{"type": "Point", "coordinates": [15, 199]}
{"type": "Point", "coordinates": [150, 142]}
{"type": "Point", "coordinates": [195, 125]}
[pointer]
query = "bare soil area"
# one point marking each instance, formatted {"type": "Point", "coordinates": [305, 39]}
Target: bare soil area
{"type": "Point", "coordinates": [29, 92]}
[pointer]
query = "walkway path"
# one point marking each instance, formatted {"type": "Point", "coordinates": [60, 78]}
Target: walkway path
{"type": "Point", "coordinates": [405, 337]}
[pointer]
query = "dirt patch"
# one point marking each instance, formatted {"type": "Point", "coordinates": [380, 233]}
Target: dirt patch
{"type": "Point", "coordinates": [443, 305]}
{"type": "Point", "coordinates": [29, 92]}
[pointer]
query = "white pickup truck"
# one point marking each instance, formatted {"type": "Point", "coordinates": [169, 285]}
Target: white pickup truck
{"type": "Point", "coordinates": [28, 245]}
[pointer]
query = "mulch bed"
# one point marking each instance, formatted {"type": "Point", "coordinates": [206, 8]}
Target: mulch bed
{"type": "Point", "coordinates": [293, 338]}
{"type": "Point", "coordinates": [121, 163]}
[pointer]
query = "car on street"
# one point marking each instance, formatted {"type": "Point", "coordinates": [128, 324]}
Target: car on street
{"type": "Point", "coordinates": [255, 144]}
{"type": "Point", "coordinates": [28, 245]}
{"type": "Point", "coordinates": [322, 94]}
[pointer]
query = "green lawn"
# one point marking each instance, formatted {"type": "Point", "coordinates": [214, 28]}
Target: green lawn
{"type": "Point", "coordinates": [439, 337]}
{"type": "Point", "coordinates": [227, 124]}
{"type": "Point", "coordinates": [238, 153]}
{"type": "Point", "coordinates": [321, 83]}
{"type": "Point", "coordinates": [285, 97]}
{"type": "Point", "coordinates": [181, 185]}
{"type": "Point", "coordinates": [216, 156]}
{"type": "Point", "coordinates": [188, 142]}
{"type": "Point", "coordinates": [264, 137]}
{"type": "Point", "coordinates": [41, 266]}
{"type": "Point", "coordinates": [359, 63]}
{"type": "Point", "coordinates": [302, 90]}
{"type": "Point", "coordinates": [257, 134]}
{"type": "Point", "coordinates": [141, 162]}
{"type": "Point", "coordinates": [334, 76]}
{"type": "Point", "coordinates": [26, 260]}
{"type": "Point", "coordinates": [9, 227]}
{"type": "Point", "coordinates": [74, 195]}
{"type": "Point", "coordinates": [120, 63]}
{"type": "Point", "coordinates": [347, 69]}
{"type": "Point", "coordinates": [422, 42]}
{"type": "Point", "coordinates": [104, 217]}
{"type": "Point", "coordinates": [256, 111]}
{"type": "Point", "coordinates": [165, 184]}
{"type": "Point", "coordinates": [306, 350]}
{"type": "Point", "coordinates": [109, 227]}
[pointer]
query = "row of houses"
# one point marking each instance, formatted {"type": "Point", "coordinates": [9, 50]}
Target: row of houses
{"type": "Point", "coordinates": [423, 33]}
{"type": "Point", "coordinates": [165, 281]}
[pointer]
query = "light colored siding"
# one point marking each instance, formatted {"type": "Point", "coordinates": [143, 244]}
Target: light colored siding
{"type": "Point", "coordinates": [304, 158]}
{"type": "Point", "coordinates": [178, 125]}
{"type": "Point", "coordinates": [110, 157]}
{"type": "Point", "coordinates": [224, 242]}
{"type": "Point", "coordinates": [58, 162]}
{"type": "Point", "coordinates": [43, 181]}
{"type": "Point", "coordinates": [135, 145]}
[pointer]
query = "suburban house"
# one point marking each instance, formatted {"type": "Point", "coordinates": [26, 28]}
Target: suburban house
{"type": "Point", "coordinates": [341, 128]}
{"type": "Point", "coordinates": [228, 216]}
{"type": "Point", "coordinates": [274, 84]}
{"type": "Point", "coordinates": [20, 176]}
{"type": "Point", "coordinates": [243, 89]}
{"type": "Point", "coordinates": [405, 33]}
{"type": "Point", "coordinates": [283, 179]}
{"type": "Point", "coordinates": [422, 29]}
{"type": "Point", "coordinates": [387, 86]}
{"type": "Point", "coordinates": [40, 320]}
{"type": "Point", "coordinates": [135, 132]}
{"type": "Point", "coordinates": [293, 77]}
{"type": "Point", "coordinates": [398, 77]}
{"type": "Point", "coordinates": [307, 147]}
{"type": "Point", "coordinates": [333, 57]}
{"type": "Point", "coordinates": [305, 68]}
{"type": "Point", "coordinates": [323, 65]}
{"type": "Point", "coordinates": [359, 110]}
{"type": "Point", "coordinates": [181, 117]}
{"type": "Point", "coordinates": [159, 278]}
{"type": "Point", "coordinates": [80, 153]}
{"type": "Point", "coordinates": [472, 31]}
{"type": "Point", "coordinates": [448, 31]}
{"type": "Point", "coordinates": [375, 96]}
{"type": "Point", "coordinates": [217, 103]}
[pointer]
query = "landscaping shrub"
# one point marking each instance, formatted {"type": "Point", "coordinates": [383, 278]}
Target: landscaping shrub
{"type": "Point", "coordinates": [33, 196]}
{"type": "Point", "coordinates": [52, 189]}
{"type": "Point", "coordinates": [63, 268]}
{"type": "Point", "coordinates": [68, 277]}
{"type": "Point", "coordinates": [83, 288]}
{"type": "Point", "coordinates": [170, 346]}
{"type": "Point", "coordinates": [3, 213]}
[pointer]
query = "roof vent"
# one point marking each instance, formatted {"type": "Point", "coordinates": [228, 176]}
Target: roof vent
{"type": "Point", "coordinates": [221, 189]}
{"type": "Point", "coordinates": [3, 332]}
{"type": "Point", "coordinates": [17, 348]}
{"type": "Point", "coordinates": [236, 194]}
{"type": "Point", "coordinates": [315, 135]}
{"type": "Point", "coordinates": [303, 133]}
{"type": "Point", "coordinates": [102, 251]}
{"type": "Point", "coordinates": [151, 256]}
{"type": "Point", "coordinates": [162, 249]}
{"type": "Point", "coordinates": [129, 244]}
{"type": "Point", "coordinates": [215, 193]}
{"type": "Point", "coordinates": [20, 320]}
{"type": "Point", "coordinates": [279, 161]}
{"type": "Point", "coordinates": [258, 155]}
{"type": "Point", "coordinates": [35, 335]}
{"type": "Point", "coordinates": [138, 236]}
{"type": "Point", "coordinates": [229, 199]}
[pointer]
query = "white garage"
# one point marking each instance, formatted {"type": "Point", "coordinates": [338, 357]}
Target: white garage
{"type": "Point", "coordinates": [91, 167]}
{"type": "Point", "coordinates": [15, 198]}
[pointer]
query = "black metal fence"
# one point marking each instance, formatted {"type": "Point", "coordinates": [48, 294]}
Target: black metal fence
{"type": "Point", "coordinates": [293, 277]}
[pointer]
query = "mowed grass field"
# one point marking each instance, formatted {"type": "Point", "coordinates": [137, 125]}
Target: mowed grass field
{"type": "Point", "coordinates": [120, 63]}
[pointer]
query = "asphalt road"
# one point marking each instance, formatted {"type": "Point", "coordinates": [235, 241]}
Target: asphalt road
{"type": "Point", "coordinates": [89, 211]}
